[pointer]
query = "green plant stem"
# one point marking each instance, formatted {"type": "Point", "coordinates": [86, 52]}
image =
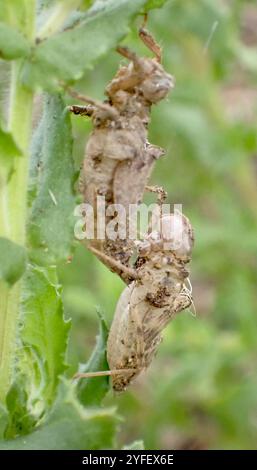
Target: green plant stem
{"type": "Point", "coordinates": [15, 197]}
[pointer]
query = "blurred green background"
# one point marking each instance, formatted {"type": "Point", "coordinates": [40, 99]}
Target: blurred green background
{"type": "Point", "coordinates": [201, 390]}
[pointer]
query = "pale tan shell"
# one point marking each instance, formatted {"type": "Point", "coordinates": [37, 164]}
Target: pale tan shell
{"type": "Point", "coordinates": [147, 305]}
{"type": "Point", "coordinates": [117, 165]}
{"type": "Point", "coordinates": [118, 158]}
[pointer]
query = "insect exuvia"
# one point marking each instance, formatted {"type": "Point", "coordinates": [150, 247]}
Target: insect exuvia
{"type": "Point", "coordinates": [118, 157]}
{"type": "Point", "coordinates": [150, 302]}
{"type": "Point", "coordinates": [118, 162]}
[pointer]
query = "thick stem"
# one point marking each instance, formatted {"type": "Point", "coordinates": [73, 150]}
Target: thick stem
{"type": "Point", "coordinates": [14, 194]}
{"type": "Point", "coordinates": [20, 125]}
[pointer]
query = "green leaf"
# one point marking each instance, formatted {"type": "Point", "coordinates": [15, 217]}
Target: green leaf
{"type": "Point", "coordinates": [12, 43]}
{"type": "Point", "coordinates": [8, 151]}
{"type": "Point", "coordinates": [51, 222]}
{"type": "Point", "coordinates": [35, 163]}
{"type": "Point", "coordinates": [8, 10]}
{"type": "Point", "coordinates": [44, 335]}
{"type": "Point", "coordinates": [136, 445]}
{"type": "Point", "coordinates": [12, 261]}
{"type": "Point", "coordinates": [17, 14]}
{"type": "Point", "coordinates": [87, 3]}
{"type": "Point", "coordinates": [151, 4]}
{"type": "Point", "coordinates": [40, 353]}
{"type": "Point", "coordinates": [20, 421]}
{"type": "Point", "coordinates": [46, 4]}
{"type": "Point", "coordinates": [91, 391]}
{"type": "Point", "coordinates": [3, 420]}
{"type": "Point", "coordinates": [8, 146]}
{"type": "Point", "coordinates": [70, 427]}
{"type": "Point", "coordinates": [68, 54]}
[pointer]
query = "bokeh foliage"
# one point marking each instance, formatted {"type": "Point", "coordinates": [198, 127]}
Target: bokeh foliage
{"type": "Point", "coordinates": [201, 389]}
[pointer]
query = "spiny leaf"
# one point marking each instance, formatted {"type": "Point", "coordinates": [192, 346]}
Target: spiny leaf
{"type": "Point", "coordinates": [40, 354]}
{"type": "Point", "coordinates": [20, 421]}
{"type": "Point", "coordinates": [44, 334]}
{"type": "Point", "coordinates": [12, 261]}
{"type": "Point", "coordinates": [68, 54]}
{"type": "Point", "coordinates": [51, 222]}
{"type": "Point", "coordinates": [70, 427]}
{"type": "Point", "coordinates": [91, 391]}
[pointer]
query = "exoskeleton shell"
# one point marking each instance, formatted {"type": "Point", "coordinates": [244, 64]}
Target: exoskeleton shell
{"type": "Point", "coordinates": [148, 304]}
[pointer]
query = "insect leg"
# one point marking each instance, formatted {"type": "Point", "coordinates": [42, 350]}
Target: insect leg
{"type": "Point", "coordinates": [131, 79]}
{"type": "Point", "coordinates": [86, 110]}
{"type": "Point", "coordinates": [110, 111]}
{"type": "Point", "coordinates": [150, 42]}
{"type": "Point", "coordinates": [161, 193]}
{"type": "Point", "coordinates": [188, 291]}
{"type": "Point", "coordinates": [130, 55]}
{"type": "Point", "coordinates": [161, 196]}
{"type": "Point", "coordinates": [102, 373]}
{"type": "Point", "coordinates": [117, 266]}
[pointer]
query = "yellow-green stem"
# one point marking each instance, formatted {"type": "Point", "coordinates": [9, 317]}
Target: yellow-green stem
{"type": "Point", "coordinates": [14, 195]}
